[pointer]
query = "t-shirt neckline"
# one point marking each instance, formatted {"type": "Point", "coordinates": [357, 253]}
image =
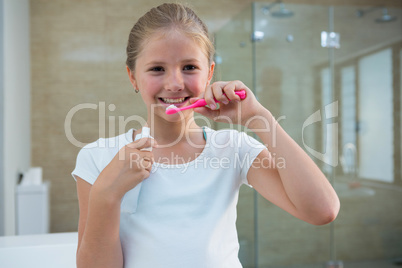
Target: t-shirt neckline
{"type": "Point", "coordinates": [205, 150]}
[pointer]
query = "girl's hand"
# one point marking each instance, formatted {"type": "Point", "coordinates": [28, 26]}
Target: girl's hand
{"type": "Point", "coordinates": [128, 168]}
{"type": "Point", "coordinates": [231, 108]}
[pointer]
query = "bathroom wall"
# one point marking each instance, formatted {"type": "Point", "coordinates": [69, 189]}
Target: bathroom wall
{"type": "Point", "coordinates": [15, 104]}
{"type": "Point", "coordinates": [78, 58]}
{"type": "Point", "coordinates": [78, 55]}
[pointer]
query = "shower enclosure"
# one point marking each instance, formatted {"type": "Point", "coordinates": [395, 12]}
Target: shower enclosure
{"type": "Point", "coordinates": [331, 75]}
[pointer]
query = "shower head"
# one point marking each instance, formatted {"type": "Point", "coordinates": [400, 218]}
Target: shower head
{"type": "Point", "coordinates": [281, 13]}
{"type": "Point", "coordinates": [385, 17]}
{"type": "Point", "coordinates": [361, 12]}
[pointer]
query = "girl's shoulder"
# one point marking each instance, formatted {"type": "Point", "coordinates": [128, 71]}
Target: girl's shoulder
{"type": "Point", "coordinates": [95, 156]}
{"type": "Point", "coordinates": [109, 145]}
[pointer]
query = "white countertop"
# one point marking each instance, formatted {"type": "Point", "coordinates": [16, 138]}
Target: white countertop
{"type": "Point", "coordinates": [38, 240]}
{"type": "Point", "coordinates": [38, 251]}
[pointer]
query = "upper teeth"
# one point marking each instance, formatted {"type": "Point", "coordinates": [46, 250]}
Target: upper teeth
{"type": "Point", "coordinates": [166, 100]}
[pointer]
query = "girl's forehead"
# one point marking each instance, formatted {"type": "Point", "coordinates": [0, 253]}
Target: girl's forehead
{"type": "Point", "coordinates": [170, 35]}
{"type": "Point", "coordinates": [172, 41]}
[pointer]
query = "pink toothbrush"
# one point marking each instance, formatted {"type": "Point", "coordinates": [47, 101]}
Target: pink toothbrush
{"type": "Point", "coordinates": [172, 109]}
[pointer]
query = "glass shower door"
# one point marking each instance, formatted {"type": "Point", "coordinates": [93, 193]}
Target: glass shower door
{"type": "Point", "coordinates": [233, 58]}
{"type": "Point", "coordinates": [340, 99]}
{"type": "Point", "coordinates": [367, 70]}
{"type": "Point", "coordinates": [276, 51]}
{"type": "Point", "coordinates": [291, 68]}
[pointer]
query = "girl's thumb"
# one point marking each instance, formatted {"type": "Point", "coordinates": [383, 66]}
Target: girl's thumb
{"type": "Point", "coordinates": [205, 111]}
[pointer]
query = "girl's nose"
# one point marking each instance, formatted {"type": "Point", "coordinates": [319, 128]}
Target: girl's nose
{"type": "Point", "coordinates": [174, 81]}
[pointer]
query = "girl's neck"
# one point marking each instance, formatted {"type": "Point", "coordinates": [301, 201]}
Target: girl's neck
{"type": "Point", "coordinates": [166, 132]}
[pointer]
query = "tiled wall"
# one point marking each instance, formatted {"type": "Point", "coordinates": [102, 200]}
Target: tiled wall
{"type": "Point", "coordinates": [78, 57]}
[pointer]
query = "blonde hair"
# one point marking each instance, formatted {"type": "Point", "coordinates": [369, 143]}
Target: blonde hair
{"type": "Point", "coordinates": [165, 17]}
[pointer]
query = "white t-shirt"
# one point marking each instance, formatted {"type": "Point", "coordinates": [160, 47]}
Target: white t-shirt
{"type": "Point", "coordinates": [183, 214]}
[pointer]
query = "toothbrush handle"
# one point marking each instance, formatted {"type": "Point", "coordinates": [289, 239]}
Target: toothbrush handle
{"type": "Point", "coordinates": [202, 102]}
{"type": "Point", "coordinates": [240, 93]}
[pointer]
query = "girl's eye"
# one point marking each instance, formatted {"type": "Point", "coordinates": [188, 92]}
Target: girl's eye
{"type": "Point", "coordinates": [157, 69]}
{"type": "Point", "coordinates": [189, 67]}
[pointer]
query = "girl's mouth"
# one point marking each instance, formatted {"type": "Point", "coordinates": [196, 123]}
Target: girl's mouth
{"type": "Point", "coordinates": [175, 101]}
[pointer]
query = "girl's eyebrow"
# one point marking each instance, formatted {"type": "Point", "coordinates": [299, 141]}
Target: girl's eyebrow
{"type": "Point", "coordinates": [190, 60]}
{"type": "Point", "coordinates": [154, 63]}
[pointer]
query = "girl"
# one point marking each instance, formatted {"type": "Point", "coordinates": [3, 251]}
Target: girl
{"type": "Point", "coordinates": [175, 206]}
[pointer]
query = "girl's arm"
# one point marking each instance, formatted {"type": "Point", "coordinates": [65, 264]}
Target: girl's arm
{"type": "Point", "coordinates": [99, 223]}
{"type": "Point", "coordinates": [297, 185]}
{"type": "Point", "coordinates": [98, 229]}
{"type": "Point", "coordinates": [288, 177]}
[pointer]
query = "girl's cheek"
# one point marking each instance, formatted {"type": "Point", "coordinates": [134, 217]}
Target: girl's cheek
{"type": "Point", "coordinates": [200, 89]}
{"type": "Point", "coordinates": [201, 85]}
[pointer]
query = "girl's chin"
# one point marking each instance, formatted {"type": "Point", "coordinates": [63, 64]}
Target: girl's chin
{"type": "Point", "coordinates": [177, 117]}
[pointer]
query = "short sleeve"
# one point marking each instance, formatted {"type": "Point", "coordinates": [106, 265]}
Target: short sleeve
{"type": "Point", "coordinates": [87, 164]}
{"type": "Point", "coordinates": [249, 149]}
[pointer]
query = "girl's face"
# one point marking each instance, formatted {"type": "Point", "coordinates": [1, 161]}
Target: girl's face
{"type": "Point", "coordinates": [170, 69]}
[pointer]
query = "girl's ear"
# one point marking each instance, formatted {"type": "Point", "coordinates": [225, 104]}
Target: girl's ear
{"type": "Point", "coordinates": [131, 77]}
{"type": "Point", "coordinates": [211, 72]}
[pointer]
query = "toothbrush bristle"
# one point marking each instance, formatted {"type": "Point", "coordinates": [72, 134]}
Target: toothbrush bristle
{"type": "Point", "coordinates": [171, 107]}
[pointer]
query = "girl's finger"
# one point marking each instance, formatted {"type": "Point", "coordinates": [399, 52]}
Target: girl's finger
{"type": "Point", "coordinates": [217, 89]}
{"type": "Point", "coordinates": [207, 112]}
{"type": "Point", "coordinates": [143, 143]}
{"type": "Point", "coordinates": [230, 89]}
{"type": "Point", "coordinates": [192, 100]}
{"type": "Point", "coordinates": [146, 163]}
{"type": "Point", "coordinates": [147, 155]}
{"type": "Point", "coordinates": [209, 98]}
